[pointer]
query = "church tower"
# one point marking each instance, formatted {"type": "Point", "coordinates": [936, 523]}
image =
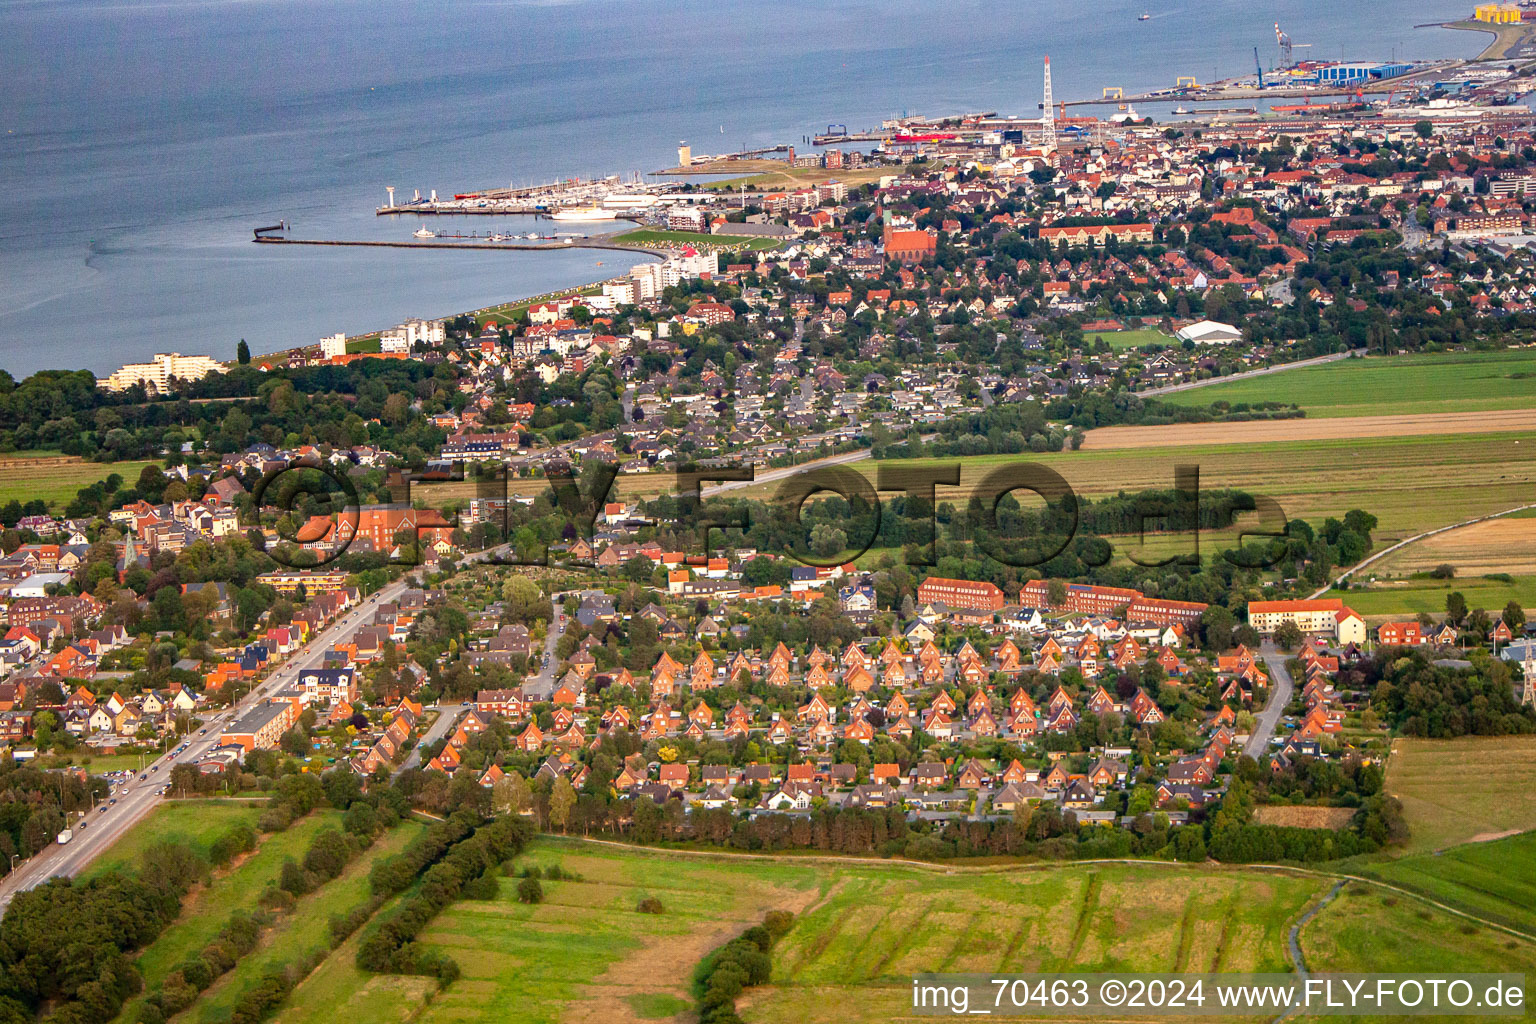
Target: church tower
{"type": "Point", "coordinates": [1528, 693]}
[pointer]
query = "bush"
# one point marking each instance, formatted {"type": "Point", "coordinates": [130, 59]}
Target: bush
{"type": "Point", "coordinates": [294, 879]}
{"type": "Point", "coordinates": [530, 891]}
{"type": "Point", "coordinates": [238, 840]}
{"type": "Point", "coordinates": [649, 905]}
{"type": "Point", "coordinates": [743, 962]}
{"type": "Point", "coordinates": [483, 888]}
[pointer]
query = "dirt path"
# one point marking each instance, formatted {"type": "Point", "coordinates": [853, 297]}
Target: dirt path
{"type": "Point", "coordinates": [665, 964]}
{"type": "Point", "coordinates": [1427, 424]}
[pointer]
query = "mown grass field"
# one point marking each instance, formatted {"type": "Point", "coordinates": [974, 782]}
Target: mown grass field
{"type": "Point", "coordinates": [1437, 382]}
{"type": "Point", "coordinates": [1122, 341]}
{"type": "Point", "coordinates": [194, 823]}
{"type": "Point", "coordinates": [1405, 599]}
{"type": "Point", "coordinates": [1495, 881]}
{"type": "Point", "coordinates": [1462, 789]}
{"type": "Point", "coordinates": [656, 237]}
{"type": "Point", "coordinates": [1506, 545]}
{"type": "Point", "coordinates": [30, 476]}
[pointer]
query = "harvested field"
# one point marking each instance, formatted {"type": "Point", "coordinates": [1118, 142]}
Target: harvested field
{"type": "Point", "coordinates": [1305, 817]}
{"type": "Point", "coordinates": [1438, 424]}
{"type": "Point", "coordinates": [1498, 545]}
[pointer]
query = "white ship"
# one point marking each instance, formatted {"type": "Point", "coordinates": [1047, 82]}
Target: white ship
{"type": "Point", "coordinates": [424, 233]}
{"type": "Point", "coordinates": [583, 213]}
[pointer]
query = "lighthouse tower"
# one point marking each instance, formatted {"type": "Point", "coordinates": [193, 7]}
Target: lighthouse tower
{"type": "Point", "coordinates": [1048, 119]}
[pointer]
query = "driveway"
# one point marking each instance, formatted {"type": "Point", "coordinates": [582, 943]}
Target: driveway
{"type": "Point", "coordinates": [1280, 689]}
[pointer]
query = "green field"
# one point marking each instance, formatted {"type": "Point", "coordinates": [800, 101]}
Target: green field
{"type": "Point", "coordinates": [862, 931]}
{"type": "Point", "coordinates": [194, 823]}
{"type": "Point", "coordinates": [1368, 930]}
{"type": "Point", "coordinates": [1445, 804]}
{"type": "Point", "coordinates": [1122, 341]}
{"type": "Point", "coordinates": [208, 907]}
{"type": "Point", "coordinates": [1428, 596]}
{"type": "Point", "coordinates": [655, 237]}
{"type": "Point", "coordinates": [1395, 385]}
{"type": "Point", "coordinates": [56, 485]}
{"type": "Point", "coordinates": [303, 930]}
{"type": "Point", "coordinates": [1495, 881]}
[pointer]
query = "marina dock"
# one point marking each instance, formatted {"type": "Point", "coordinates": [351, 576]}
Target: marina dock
{"type": "Point", "coordinates": [574, 243]}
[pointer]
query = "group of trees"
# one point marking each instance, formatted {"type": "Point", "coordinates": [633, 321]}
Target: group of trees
{"type": "Point", "coordinates": [739, 964]}
{"type": "Point", "coordinates": [66, 945]}
{"type": "Point", "coordinates": [389, 946]}
{"type": "Point", "coordinates": [35, 804]}
{"type": "Point", "coordinates": [1420, 698]}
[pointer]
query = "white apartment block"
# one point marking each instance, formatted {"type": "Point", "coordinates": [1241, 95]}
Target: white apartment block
{"type": "Point", "coordinates": [333, 345]}
{"type": "Point", "coordinates": [156, 375]}
{"type": "Point", "coordinates": [408, 334]}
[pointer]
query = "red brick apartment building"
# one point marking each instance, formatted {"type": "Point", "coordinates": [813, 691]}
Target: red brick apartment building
{"type": "Point", "coordinates": [960, 594]}
{"type": "Point", "coordinates": [1088, 599]}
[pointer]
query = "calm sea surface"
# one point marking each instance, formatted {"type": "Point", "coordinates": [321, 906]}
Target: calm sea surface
{"type": "Point", "coordinates": [141, 141]}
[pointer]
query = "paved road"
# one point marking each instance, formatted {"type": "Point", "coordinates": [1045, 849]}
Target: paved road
{"type": "Point", "coordinates": [447, 716]}
{"type": "Point", "coordinates": [1280, 689]}
{"type": "Point", "coordinates": [1169, 389]}
{"type": "Point", "coordinates": [542, 684]}
{"type": "Point", "coordinates": [136, 798]}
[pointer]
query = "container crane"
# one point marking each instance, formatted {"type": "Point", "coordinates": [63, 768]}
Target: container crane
{"type": "Point", "coordinates": [1286, 46]}
{"type": "Point", "coordinates": [1258, 67]}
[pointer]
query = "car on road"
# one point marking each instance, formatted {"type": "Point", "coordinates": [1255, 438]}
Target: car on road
{"type": "Point", "coordinates": [143, 776]}
{"type": "Point", "coordinates": [112, 801]}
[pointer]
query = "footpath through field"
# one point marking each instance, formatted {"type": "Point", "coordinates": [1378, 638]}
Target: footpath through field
{"type": "Point", "coordinates": [1414, 540]}
{"type": "Point", "coordinates": [1190, 385]}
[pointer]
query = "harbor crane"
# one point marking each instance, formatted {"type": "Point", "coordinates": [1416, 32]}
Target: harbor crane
{"type": "Point", "coordinates": [1114, 92]}
{"type": "Point", "coordinates": [1286, 46]}
{"type": "Point", "coordinates": [1258, 66]}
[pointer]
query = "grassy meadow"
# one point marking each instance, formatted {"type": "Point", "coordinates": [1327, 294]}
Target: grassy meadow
{"type": "Point", "coordinates": [585, 955]}
{"type": "Point", "coordinates": [1495, 881]}
{"type": "Point", "coordinates": [1122, 341]}
{"type": "Point", "coordinates": [1392, 385]}
{"type": "Point", "coordinates": [1407, 598]}
{"type": "Point", "coordinates": [31, 476]}
{"type": "Point", "coordinates": [302, 930]}
{"type": "Point", "coordinates": [1446, 804]}
{"type": "Point", "coordinates": [194, 823]}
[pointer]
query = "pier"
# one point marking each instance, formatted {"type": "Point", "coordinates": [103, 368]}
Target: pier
{"type": "Point", "coordinates": [573, 243]}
